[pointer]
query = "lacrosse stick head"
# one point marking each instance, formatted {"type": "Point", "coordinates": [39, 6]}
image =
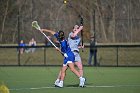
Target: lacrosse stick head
{"type": "Point", "coordinates": [35, 25]}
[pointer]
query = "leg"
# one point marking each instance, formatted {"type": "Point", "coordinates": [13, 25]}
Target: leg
{"type": "Point", "coordinates": [80, 67]}
{"type": "Point", "coordinates": [21, 50]}
{"type": "Point", "coordinates": [95, 57]}
{"type": "Point", "coordinates": [61, 76]}
{"type": "Point", "coordinates": [82, 80]}
{"type": "Point", "coordinates": [90, 59]}
{"type": "Point", "coordinates": [71, 66]}
{"type": "Point", "coordinates": [78, 62]}
{"type": "Point", "coordinates": [63, 73]}
{"type": "Point", "coordinates": [58, 79]}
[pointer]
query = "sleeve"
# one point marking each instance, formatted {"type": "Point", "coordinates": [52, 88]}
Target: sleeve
{"type": "Point", "coordinates": [56, 36]}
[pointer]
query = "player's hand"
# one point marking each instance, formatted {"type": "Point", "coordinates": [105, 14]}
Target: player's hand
{"type": "Point", "coordinates": [83, 46]}
{"type": "Point", "coordinates": [81, 21]}
{"type": "Point", "coordinates": [65, 55]}
{"type": "Point", "coordinates": [42, 30]}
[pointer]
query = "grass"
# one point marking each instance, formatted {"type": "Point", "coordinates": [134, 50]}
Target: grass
{"type": "Point", "coordinates": [99, 80]}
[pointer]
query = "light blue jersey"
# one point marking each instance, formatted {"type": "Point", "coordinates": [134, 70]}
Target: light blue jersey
{"type": "Point", "coordinates": [74, 42]}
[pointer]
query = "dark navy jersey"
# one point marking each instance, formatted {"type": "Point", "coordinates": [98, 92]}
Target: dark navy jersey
{"type": "Point", "coordinates": [63, 44]}
{"type": "Point", "coordinates": [22, 44]}
{"type": "Point", "coordinates": [65, 49]}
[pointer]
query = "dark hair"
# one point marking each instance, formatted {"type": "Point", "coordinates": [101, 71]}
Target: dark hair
{"type": "Point", "coordinates": [75, 25]}
{"type": "Point", "coordinates": [61, 35]}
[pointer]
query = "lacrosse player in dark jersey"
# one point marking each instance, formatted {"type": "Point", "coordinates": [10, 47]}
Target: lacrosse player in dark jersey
{"type": "Point", "coordinates": [68, 58]}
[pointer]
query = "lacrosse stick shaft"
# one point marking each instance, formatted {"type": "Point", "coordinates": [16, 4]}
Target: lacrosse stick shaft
{"type": "Point", "coordinates": [51, 42]}
{"type": "Point", "coordinates": [49, 39]}
{"type": "Point", "coordinates": [82, 40]}
{"type": "Point", "coordinates": [35, 25]}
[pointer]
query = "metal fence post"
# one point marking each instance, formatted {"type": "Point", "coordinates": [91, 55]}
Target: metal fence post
{"type": "Point", "coordinates": [117, 57]}
{"type": "Point", "coordinates": [18, 57]}
{"type": "Point", "coordinates": [44, 55]}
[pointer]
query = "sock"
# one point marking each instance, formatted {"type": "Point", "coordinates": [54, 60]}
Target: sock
{"type": "Point", "coordinates": [57, 79]}
{"type": "Point", "coordinates": [80, 77]}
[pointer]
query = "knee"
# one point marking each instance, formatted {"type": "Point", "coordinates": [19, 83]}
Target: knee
{"type": "Point", "coordinates": [80, 67]}
{"type": "Point", "coordinates": [72, 69]}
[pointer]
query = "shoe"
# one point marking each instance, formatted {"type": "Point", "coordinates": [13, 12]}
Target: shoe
{"type": "Point", "coordinates": [82, 82]}
{"type": "Point", "coordinates": [60, 85]}
{"type": "Point", "coordinates": [56, 82]}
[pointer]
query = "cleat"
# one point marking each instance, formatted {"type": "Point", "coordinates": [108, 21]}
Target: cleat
{"type": "Point", "coordinates": [56, 83]}
{"type": "Point", "coordinates": [59, 84]}
{"type": "Point", "coordinates": [82, 82]}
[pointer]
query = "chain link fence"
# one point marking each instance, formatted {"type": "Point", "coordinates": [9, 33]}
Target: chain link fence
{"type": "Point", "coordinates": [107, 55]}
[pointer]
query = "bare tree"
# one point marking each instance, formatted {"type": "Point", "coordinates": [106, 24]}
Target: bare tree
{"type": "Point", "coordinates": [99, 9]}
{"type": "Point", "coordinates": [111, 27]}
{"type": "Point", "coordinates": [3, 22]}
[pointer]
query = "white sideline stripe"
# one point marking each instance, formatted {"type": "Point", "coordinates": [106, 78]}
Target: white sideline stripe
{"type": "Point", "coordinates": [108, 86]}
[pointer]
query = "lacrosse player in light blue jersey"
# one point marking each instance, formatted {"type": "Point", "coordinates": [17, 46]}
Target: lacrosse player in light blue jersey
{"type": "Point", "coordinates": [68, 58]}
{"type": "Point", "coordinates": [74, 42]}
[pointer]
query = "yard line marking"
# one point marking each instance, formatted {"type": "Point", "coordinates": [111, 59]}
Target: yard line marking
{"type": "Point", "coordinates": [100, 86]}
{"type": "Point", "coordinates": [31, 88]}
{"type": "Point", "coordinates": [116, 86]}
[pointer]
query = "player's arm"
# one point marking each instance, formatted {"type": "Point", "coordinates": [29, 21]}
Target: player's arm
{"type": "Point", "coordinates": [77, 31]}
{"type": "Point", "coordinates": [50, 31]}
{"type": "Point", "coordinates": [81, 46]}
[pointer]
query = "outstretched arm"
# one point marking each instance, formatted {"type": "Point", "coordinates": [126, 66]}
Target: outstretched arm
{"type": "Point", "coordinates": [50, 31]}
{"type": "Point", "coordinates": [81, 46]}
{"type": "Point", "coordinates": [77, 31]}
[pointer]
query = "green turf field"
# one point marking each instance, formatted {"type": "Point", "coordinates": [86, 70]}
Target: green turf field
{"type": "Point", "coordinates": [99, 80]}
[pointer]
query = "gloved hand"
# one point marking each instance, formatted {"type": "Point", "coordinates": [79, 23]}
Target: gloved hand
{"type": "Point", "coordinates": [81, 21]}
{"type": "Point", "coordinates": [65, 55]}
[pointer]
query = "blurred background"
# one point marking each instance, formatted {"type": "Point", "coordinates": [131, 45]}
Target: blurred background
{"type": "Point", "coordinates": [115, 23]}
{"type": "Point", "coordinates": [111, 21]}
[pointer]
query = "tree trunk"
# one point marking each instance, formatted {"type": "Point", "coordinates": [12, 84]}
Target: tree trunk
{"type": "Point", "coordinates": [112, 23]}
{"type": "Point", "coordinates": [91, 22]}
{"type": "Point", "coordinates": [3, 23]}
{"type": "Point", "coordinates": [101, 20]}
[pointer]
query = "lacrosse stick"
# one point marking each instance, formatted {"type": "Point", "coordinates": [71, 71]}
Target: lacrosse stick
{"type": "Point", "coordinates": [36, 26]}
{"type": "Point", "coordinates": [81, 23]}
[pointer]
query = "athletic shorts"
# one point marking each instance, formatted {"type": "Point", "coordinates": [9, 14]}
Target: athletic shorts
{"type": "Point", "coordinates": [69, 59]}
{"type": "Point", "coordinates": [77, 57]}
